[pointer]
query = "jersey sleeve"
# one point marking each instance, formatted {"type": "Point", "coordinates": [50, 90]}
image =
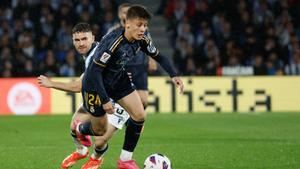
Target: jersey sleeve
{"type": "Point", "coordinates": [101, 60]}
{"type": "Point", "coordinates": [148, 46]}
{"type": "Point", "coordinates": [106, 49]}
{"type": "Point", "coordinates": [102, 57]}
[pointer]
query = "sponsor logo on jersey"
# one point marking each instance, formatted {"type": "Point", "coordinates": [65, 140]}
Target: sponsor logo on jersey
{"type": "Point", "coordinates": [104, 58]}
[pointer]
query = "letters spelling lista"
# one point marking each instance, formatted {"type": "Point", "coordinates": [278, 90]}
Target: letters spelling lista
{"type": "Point", "coordinates": [223, 94]}
{"type": "Point", "coordinates": [207, 98]}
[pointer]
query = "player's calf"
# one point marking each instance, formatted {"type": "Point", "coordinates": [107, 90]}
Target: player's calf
{"type": "Point", "coordinates": [84, 139]}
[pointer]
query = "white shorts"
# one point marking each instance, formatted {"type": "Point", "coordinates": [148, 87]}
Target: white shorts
{"type": "Point", "coordinates": [119, 118]}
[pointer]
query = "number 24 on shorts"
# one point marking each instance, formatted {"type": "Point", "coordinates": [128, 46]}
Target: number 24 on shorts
{"type": "Point", "coordinates": [91, 100]}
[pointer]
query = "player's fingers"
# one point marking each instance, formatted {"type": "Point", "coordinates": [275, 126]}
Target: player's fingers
{"type": "Point", "coordinates": [109, 108]}
{"type": "Point", "coordinates": [179, 84]}
{"type": "Point", "coordinates": [39, 81]}
{"type": "Point", "coordinates": [181, 89]}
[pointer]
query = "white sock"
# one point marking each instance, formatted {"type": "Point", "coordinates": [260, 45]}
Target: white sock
{"type": "Point", "coordinates": [126, 155]}
{"type": "Point", "coordinates": [94, 156]}
{"type": "Point", "coordinates": [98, 156]}
{"type": "Point", "coordinates": [82, 150]}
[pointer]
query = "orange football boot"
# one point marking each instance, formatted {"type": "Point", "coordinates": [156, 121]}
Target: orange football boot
{"type": "Point", "coordinates": [92, 163]}
{"type": "Point", "coordinates": [72, 159]}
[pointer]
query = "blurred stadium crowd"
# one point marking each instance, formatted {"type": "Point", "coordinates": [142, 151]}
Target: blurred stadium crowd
{"type": "Point", "coordinates": [207, 35]}
{"type": "Point", "coordinates": [36, 38]}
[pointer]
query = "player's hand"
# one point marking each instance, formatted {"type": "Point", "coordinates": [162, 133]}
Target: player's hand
{"type": "Point", "coordinates": [44, 81]}
{"type": "Point", "coordinates": [108, 107]}
{"type": "Point", "coordinates": [178, 83]}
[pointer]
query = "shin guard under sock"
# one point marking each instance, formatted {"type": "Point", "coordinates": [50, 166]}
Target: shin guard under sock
{"type": "Point", "coordinates": [132, 134]}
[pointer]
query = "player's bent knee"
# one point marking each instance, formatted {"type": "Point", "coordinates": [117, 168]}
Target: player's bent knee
{"type": "Point", "coordinates": [99, 131]}
{"type": "Point", "coordinates": [145, 104]}
{"type": "Point", "coordinates": [139, 116]}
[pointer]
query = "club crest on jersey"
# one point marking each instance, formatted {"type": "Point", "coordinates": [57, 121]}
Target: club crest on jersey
{"type": "Point", "coordinates": [104, 58]}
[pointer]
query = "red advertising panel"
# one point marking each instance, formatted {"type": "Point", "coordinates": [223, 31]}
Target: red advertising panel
{"type": "Point", "coordinates": [23, 96]}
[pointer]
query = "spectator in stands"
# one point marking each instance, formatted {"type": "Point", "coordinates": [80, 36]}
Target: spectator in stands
{"type": "Point", "coordinates": [25, 42]}
{"type": "Point", "coordinates": [85, 5]}
{"type": "Point", "coordinates": [7, 69]}
{"type": "Point", "coordinates": [70, 67]}
{"type": "Point", "coordinates": [6, 59]}
{"type": "Point", "coordinates": [108, 22]}
{"type": "Point", "coordinates": [49, 66]}
{"type": "Point", "coordinates": [293, 68]}
{"type": "Point", "coordinates": [274, 65]}
{"type": "Point", "coordinates": [29, 70]}
{"type": "Point", "coordinates": [259, 66]}
{"type": "Point", "coordinates": [18, 62]}
{"type": "Point", "coordinates": [184, 31]}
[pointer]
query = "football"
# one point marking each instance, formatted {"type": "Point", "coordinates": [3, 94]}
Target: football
{"type": "Point", "coordinates": [157, 161]}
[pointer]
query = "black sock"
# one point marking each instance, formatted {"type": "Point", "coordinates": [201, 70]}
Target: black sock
{"type": "Point", "coordinates": [101, 151]}
{"type": "Point", "coordinates": [132, 134]}
{"type": "Point", "coordinates": [86, 129]}
{"type": "Point", "coordinates": [73, 134]}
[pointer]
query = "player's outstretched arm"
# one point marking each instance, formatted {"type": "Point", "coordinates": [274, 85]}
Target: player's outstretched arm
{"type": "Point", "coordinates": [74, 86]}
{"type": "Point", "coordinates": [168, 67]}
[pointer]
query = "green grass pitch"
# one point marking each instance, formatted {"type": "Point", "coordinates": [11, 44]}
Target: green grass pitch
{"type": "Point", "coordinates": [191, 141]}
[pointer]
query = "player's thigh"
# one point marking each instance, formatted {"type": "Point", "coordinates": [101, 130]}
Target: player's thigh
{"type": "Point", "coordinates": [144, 96]}
{"type": "Point", "coordinates": [80, 115]}
{"type": "Point", "coordinates": [99, 124]}
{"type": "Point", "coordinates": [100, 141]}
{"type": "Point", "coordinates": [133, 105]}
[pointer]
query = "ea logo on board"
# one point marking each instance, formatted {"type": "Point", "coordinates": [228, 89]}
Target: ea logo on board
{"type": "Point", "coordinates": [24, 98]}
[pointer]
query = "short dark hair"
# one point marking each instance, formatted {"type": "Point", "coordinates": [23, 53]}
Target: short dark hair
{"type": "Point", "coordinates": [138, 11]}
{"type": "Point", "coordinates": [82, 27]}
{"type": "Point", "coordinates": [124, 5]}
